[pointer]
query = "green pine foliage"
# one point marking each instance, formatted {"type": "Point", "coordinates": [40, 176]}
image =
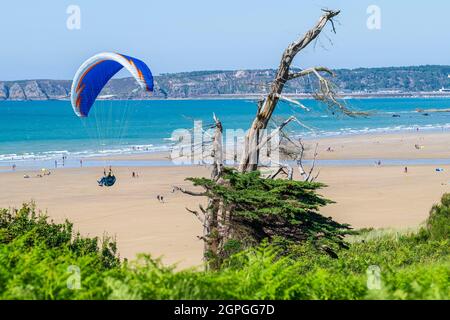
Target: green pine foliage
{"type": "Point", "coordinates": [273, 208]}
{"type": "Point", "coordinates": [438, 222]}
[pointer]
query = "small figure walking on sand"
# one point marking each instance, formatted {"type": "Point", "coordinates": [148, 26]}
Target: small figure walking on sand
{"type": "Point", "coordinates": [81, 163]}
{"type": "Point", "coordinates": [14, 167]}
{"type": "Point", "coordinates": [56, 164]}
{"type": "Point", "coordinates": [406, 169]}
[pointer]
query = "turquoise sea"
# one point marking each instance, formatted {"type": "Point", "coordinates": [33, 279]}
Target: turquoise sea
{"type": "Point", "coordinates": [49, 129]}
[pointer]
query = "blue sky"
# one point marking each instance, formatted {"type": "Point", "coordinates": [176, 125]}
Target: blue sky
{"type": "Point", "coordinates": [181, 35]}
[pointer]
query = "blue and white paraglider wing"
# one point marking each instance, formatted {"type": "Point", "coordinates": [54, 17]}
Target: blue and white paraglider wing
{"type": "Point", "coordinates": [95, 72]}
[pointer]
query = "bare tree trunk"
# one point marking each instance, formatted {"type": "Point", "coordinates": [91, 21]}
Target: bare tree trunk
{"type": "Point", "coordinates": [250, 157]}
{"type": "Point", "coordinates": [214, 226]}
{"type": "Point", "coordinates": [212, 217]}
{"type": "Point", "coordinates": [217, 150]}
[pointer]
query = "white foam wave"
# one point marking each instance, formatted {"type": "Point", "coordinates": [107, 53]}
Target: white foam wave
{"type": "Point", "coordinates": [149, 148]}
{"type": "Point", "coordinates": [58, 154]}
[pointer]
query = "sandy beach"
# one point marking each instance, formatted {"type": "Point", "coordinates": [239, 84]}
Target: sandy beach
{"type": "Point", "coordinates": [366, 196]}
{"type": "Point", "coordinates": [405, 145]}
{"type": "Point", "coordinates": [431, 145]}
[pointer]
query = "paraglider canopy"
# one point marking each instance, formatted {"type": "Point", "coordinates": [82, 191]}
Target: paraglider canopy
{"type": "Point", "coordinates": [95, 72]}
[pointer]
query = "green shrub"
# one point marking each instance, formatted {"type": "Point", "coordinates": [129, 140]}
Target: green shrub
{"type": "Point", "coordinates": [425, 281]}
{"type": "Point", "coordinates": [438, 223]}
{"type": "Point", "coordinates": [36, 255]}
{"type": "Point", "coordinates": [34, 229]}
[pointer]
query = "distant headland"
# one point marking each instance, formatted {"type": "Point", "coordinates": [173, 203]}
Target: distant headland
{"type": "Point", "coordinates": [422, 81]}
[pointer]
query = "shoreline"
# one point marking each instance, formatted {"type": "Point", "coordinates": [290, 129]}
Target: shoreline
{"type": "Point", "coordinates": [138, 164]}
{"type": "Point", "coordinates": [425, 147]}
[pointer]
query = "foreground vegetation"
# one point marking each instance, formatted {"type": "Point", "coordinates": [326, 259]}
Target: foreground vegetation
{"type": "Point", "coordinates": [38, 259]}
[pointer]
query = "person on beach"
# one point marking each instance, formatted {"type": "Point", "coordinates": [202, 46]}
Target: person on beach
{"type": "Point", "coordinates": [81, 163]}
{"type": "Point", "coordinates": [110, 173]}
{"type": "Point", "coordinates": [14, 167]}
{"type": "Point", "coordinates": [56, 164]}
{"type": "Point", "coordinates": [406, 169]}
{"type": "Point", "coordinates": [108, 180]}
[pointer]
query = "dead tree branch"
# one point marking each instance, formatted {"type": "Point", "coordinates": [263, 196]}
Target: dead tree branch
{"type": "Point", "coordinates": [197, 214]}
{"type": "Point", "coordinates": [250, 156]}
{"type": "Point", "coordinates": [307, 175]}
{"type": "Point", "coordinates": [275, 132]}
{"type": "Point", "coordinates": [303, 73]}
{"type": "Point", "coordinates": [189, 192]}
{"type": "Point", "coordinates": [297, 103]}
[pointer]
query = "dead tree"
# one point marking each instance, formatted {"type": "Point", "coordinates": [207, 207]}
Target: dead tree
{"type": "Point", "coordinates": [250, 155]}
{"type": "Point", "coordinates": [215, 216]}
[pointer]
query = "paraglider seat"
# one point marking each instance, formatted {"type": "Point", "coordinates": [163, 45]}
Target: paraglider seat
{"type": "Point", "coordinates": [107, 181]}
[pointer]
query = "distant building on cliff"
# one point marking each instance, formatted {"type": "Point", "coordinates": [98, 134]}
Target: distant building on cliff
{"type": "Point", "coordinates": [443, 89]}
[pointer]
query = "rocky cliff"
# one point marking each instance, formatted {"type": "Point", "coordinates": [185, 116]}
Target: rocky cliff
{"type": "Point", "coordinates": [241, 82]}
